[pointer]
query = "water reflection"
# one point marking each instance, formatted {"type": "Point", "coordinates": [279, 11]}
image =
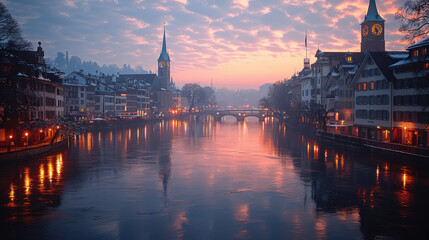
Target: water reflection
{"type": "Point", "coordinates": [205, 179]}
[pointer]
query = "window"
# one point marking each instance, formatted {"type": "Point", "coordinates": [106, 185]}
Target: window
{"type": "Point", "coordinates": [364, 86]}
{"type": "Point", "coordinates": [377, 72]}
{"type": "Point", "coordinates": [379, 114]}
{"type": "Point", "coordinates": [424, 51]}
{"type": "Point", "coordinates": [360, 87]}
{"type": "Point", "coordinates": [362, 114]}
{"type": "Point", "coordinates": [372, 114]}
{"type": "Point", "coordinates": [349, 59]}
{"type": "Point", "coordinates": [372, 85]}
{"type": "Point", "coordinates": [416, 53]}
{"type": "Point", "coordinates": [426, 65]}
{"type": "Point", "coordinates": [50, 102]}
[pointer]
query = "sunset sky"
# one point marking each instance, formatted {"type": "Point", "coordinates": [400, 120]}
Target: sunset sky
{"type": "Point", "coordinates": [238, 43]}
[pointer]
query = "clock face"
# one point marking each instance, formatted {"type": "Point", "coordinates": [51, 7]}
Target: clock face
{"type": "Point", "coordinates": [161, 64]}
{"type": "Point", "coordinates": [365, 30]}
{"type": "Point", "coordinates": [377, 29]}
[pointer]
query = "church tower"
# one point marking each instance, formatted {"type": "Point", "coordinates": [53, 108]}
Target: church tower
{"type": "Point", "coordinates": [372, 31]}
{"type": "Point", "coordinates": [164, 65]}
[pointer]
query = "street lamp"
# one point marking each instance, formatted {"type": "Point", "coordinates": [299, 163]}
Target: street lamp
{"type": "Point", "coordinates": [26, 135]}
{"type": "Point", "coordinates": [10, 142]}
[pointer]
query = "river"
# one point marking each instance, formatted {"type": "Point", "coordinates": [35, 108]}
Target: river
{"type": "Point", "coordinates": [212, 180]}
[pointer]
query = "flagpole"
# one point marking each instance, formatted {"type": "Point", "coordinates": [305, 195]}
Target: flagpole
{"type": "Point", "coordinates": [305, 43]}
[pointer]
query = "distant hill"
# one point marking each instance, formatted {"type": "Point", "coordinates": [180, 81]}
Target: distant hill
{"type": "Point", "coordinates": [74, 63]}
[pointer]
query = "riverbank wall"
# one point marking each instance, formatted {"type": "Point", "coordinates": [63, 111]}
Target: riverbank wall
{"type": "Point", "coordinates": [373, 145]}
{"type": "Point", "coordinates": [33, 152]}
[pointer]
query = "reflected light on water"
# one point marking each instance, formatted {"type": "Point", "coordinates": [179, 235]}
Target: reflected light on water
{"type": "Point", "coordinates": [242, 213]}
{"type": "Point", "coordinates": [27, 181]}
{"type": "Point", "coordinates": [12, 196]}
{"type": "Point", "coordinates": [178, 224]}
{"type": "Point", "coordinates": [42, 174]}
{"type": "Point", "coordinates": [219, 173]}
{"type": "Point", "coordinates": [378, 173]}
{"type": "Point", "coordinates": [59, 164]}
{"type": "Point", "coordinates": [50, 171]}
{"type": "Point", "coordinates": [320, 227]}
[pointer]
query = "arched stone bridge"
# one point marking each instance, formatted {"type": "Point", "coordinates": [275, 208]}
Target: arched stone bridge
{"type": "Point", "coordinates": [240, 115]}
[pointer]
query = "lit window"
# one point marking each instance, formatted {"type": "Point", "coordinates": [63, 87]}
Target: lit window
{"type": "Point", "coordinates": [426, 65]}
{"type": "Point", "coordinates": [359, 87]}
{"type": "Point", "coordinates": [364, 86]}
{"type": "Point", "coordinates": [349, 59]}
{"type": "Point", "coordinates": [424, 51]}
{"type": "Point", "coordinates": [372, 85]}
{"type": "Point", "coordinates": [416, 53]}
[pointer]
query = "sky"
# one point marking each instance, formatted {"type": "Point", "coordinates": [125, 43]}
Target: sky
{"type": "Point", "coordinates": [235, 43]}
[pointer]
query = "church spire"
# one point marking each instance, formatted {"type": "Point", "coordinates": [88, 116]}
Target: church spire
{"type": "Point", "coordinates": [372, 14]}
{"type": "Point", "coordinates": [164, 55]}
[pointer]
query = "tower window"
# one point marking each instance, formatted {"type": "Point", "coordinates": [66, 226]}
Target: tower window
{"type": "Point", "coordinates": [349, 59]}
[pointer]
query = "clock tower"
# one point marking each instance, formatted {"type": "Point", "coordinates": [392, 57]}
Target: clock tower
{"type": "Point", "coordinates": [372, 30]}
{"type": "Point", "coordinates": [164, 65]}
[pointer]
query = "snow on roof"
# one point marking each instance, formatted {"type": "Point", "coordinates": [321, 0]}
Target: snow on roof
{"type": "Point", "coordinates": [335, 74]}
{"type": "Point", "coordinates": [398, 56]}
{"type": "Point", "coordinates": [22, 75]}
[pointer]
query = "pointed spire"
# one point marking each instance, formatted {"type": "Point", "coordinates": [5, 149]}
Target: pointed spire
{"type": "Point", "coordinates": [372, 14]}
{"type": "Point", "coordinates": [164, 55]}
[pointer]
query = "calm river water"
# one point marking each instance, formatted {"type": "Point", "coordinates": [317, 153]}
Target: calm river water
{"type": "Point", "coordinates": [211, 180]}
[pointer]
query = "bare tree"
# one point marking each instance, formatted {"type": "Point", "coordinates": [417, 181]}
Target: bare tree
{"type": "Point", "coordinates": [414, 17]}
{"type": "Point", "coordinates": [194, 94]}
{"type": "Point", "coordinates": [10, 31]}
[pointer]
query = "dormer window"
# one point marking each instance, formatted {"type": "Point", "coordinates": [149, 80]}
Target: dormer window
{"type": "Point", "coordinates": [349, 59]}
{"type": "Point", "coordinates": [416, 53]}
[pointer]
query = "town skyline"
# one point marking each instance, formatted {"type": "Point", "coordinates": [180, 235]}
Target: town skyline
{"type": "Point", "coordinates": [246, 46]}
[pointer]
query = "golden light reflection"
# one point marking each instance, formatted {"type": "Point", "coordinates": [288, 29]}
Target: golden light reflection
{"type": "Point", "coordinates": [42, 174]}
{"type": "Point", "coordinates": [111, 136]}
{"type": "Point", "coordinates": [12, 195]}
{"type": "Point", "coordinates": [336, 160]}
{"type": "Point", "coordinates": [315, 151]}
{"type": "Point", "coordinates": [404, 181]}
{"type": "Point", "coordinates": [27, 181]}
{"type": "Point", "coordinates": [378, 173]}
{"type": "Point", "coordinates": [89, 141]}
{"type": "Point", "coordinates": [59, 164]}
{"type": "Point", "coordinates": [50, 171]}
